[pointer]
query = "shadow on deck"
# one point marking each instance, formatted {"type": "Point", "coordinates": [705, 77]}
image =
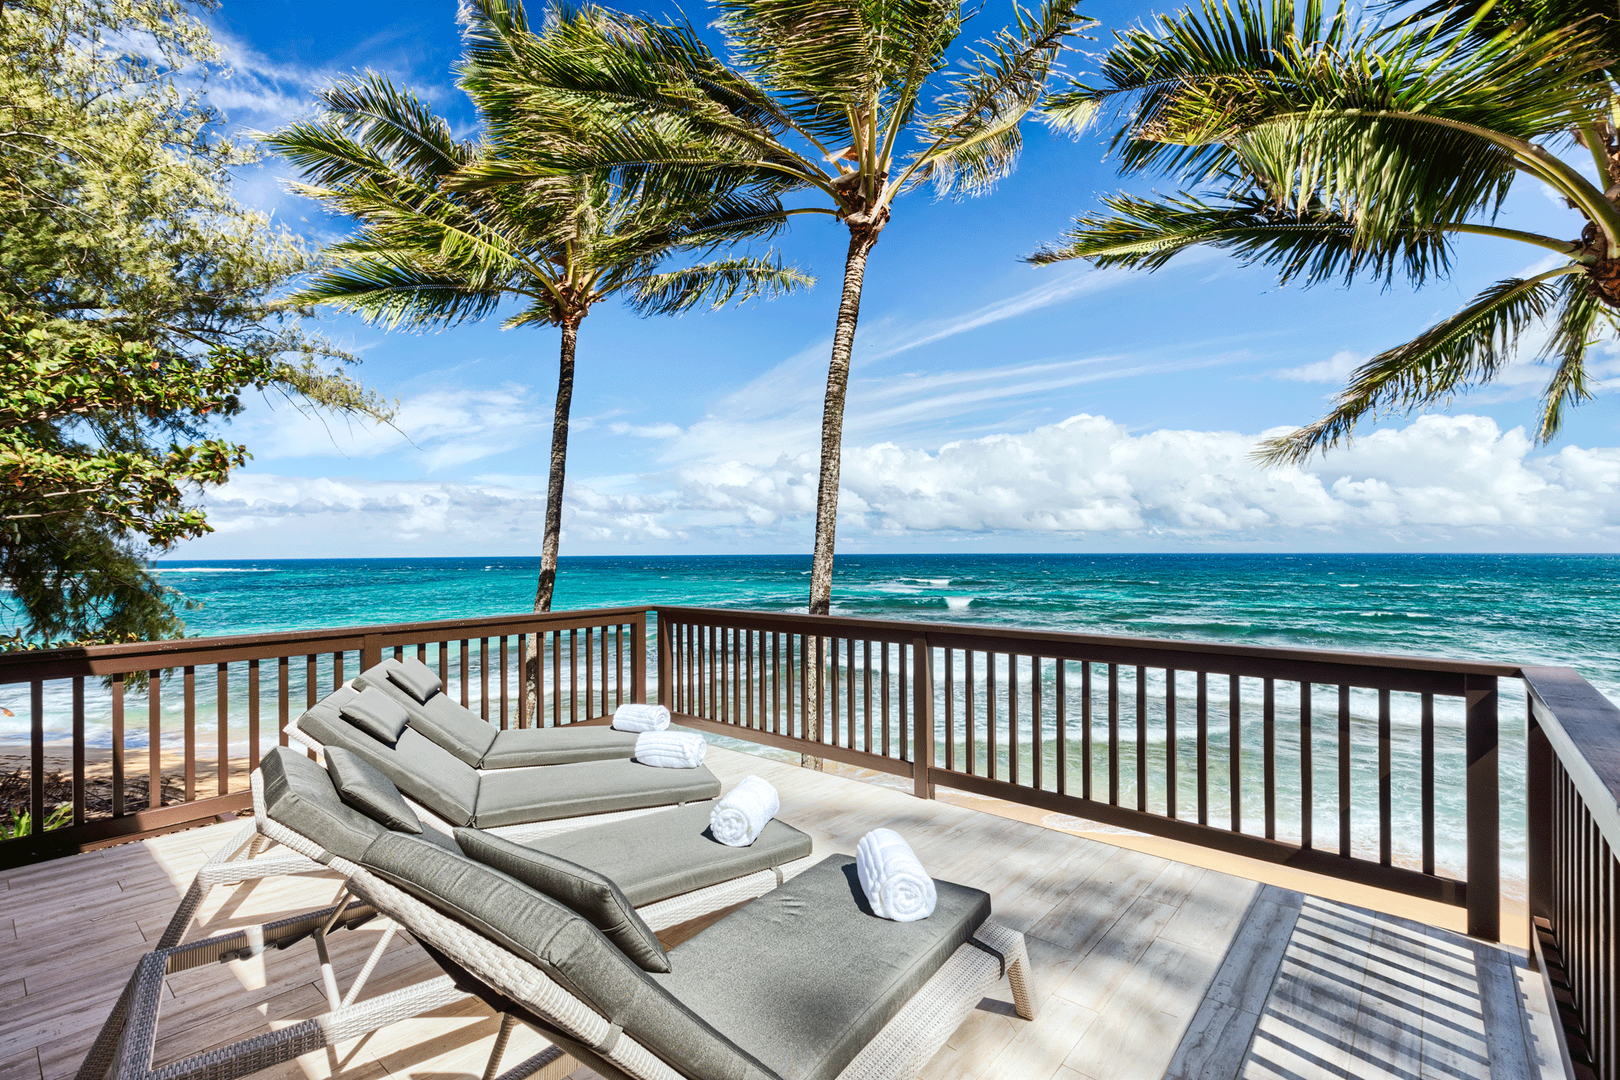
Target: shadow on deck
{"type": "Point", "coordinates": [1143, 967]}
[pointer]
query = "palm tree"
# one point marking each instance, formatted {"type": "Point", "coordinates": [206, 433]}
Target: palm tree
{"type": "Point", "coordinates": [1331, 147]}
{"type": "Point", "coordinates": [843, 105]}
{"type": "Point", "coordinates": [427, 254]}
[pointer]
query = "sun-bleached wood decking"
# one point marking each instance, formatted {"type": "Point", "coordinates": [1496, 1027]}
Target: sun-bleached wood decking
{"type": "Point", "coordinates": [1143, 967]}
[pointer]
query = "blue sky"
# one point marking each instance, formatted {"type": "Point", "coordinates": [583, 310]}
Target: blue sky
{"type": "Point", "coordinates": [994, 406]}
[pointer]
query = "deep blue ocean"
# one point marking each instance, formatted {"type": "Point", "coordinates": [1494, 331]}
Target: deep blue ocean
{"type": "Point", "coordinates": [1555, 609]}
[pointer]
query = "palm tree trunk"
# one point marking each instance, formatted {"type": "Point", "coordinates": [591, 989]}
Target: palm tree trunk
{"type": "Point", "coordinates": [559, 462]}
{"type": "Point", "coordinates": [554, 501]}
{"type": "Point", "coordinates": [861, 240]}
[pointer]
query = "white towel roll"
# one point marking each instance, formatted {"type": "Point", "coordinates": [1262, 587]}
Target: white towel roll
{"type": "Point", "coordinates": [671, 749]}
{"type": "Point", "coordinates": [737, 819]}
{"type": "Point", "coordinates": [640, 717]}
{"type": "Point", "coordinates": [895, 883]}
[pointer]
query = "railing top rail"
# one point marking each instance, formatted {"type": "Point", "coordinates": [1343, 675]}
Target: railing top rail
{"type": "Point", "coordinates": [1583, 727]}
{"type": "Point", "coordinates": [1153, 651]}
{"type": "Point", "coordinates": [143, 655]}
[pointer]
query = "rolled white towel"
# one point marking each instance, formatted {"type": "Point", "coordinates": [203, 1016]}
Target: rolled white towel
{"type": "Point", "coordinates": [640, 717]}
{"type": "Point", "coordinates": [895, 883]}
{"type": "Point", "coordinates": [737, 819]}
{"type": "Point", "coordinates": [671, 749]}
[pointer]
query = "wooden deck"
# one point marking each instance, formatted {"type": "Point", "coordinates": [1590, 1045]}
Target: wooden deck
{"type": "Point", "coordinates": [1143, 967]}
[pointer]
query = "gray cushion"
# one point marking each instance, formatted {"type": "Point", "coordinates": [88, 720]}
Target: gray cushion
{"type": "Point", "coordinates": [415, 677]}
{"type": "Point", "coordinates": [564, 946]}
{"type": "Point", "coordinates": [806, 975]}
{"type": "Point", "coordinates": [657, 856]}
{"type": "Point", "coordinates": [299, 794]}
{"type": "Point", "coordinates": [575, 886]}
{"type": "Point", "coordinates": [516, 796]}
{"type": "Point", "coordinates": [361, 786]}
{"type": "Point", "coordinates": [375, 713]}
{"type": "Point", "coordinates": [421, 769]}
{"type": "Point", "coordinates": [519, 747]}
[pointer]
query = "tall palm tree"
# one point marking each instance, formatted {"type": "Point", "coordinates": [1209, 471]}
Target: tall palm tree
{"type": "Point", "coordinates": [842, 104]}
{"type": "Point", "coordinates": [427, 254]}
{"type": "Point", "coordinates": [1328, 146]}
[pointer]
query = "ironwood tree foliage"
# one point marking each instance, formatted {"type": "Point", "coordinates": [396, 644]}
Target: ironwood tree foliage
{"type": "Point", "coordinates": [432, 251]}
{"type": "Point", "coordinates": [1331, 146]}
{"type": "Point", "coordinates": [138, 301]}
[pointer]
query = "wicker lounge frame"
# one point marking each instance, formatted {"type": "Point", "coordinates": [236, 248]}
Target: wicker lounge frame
{"type": "Point", "coordinates": [124, 1048]}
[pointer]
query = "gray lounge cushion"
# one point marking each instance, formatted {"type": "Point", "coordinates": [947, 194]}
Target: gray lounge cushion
{"type": "Point", "coordinates": [415, 678]}
{"type": "Point", "coordinates": [515, 796]}
{"type": "Point", "coordinates": [519, 747]}
{"type": "Point", "coordinates": [806, 975]}
{"type": "Point", "coordinates": [657, 856]}
{"type": "Point", "coordinates": [567, 948]}
{"type": "Point", "coordinates": [421, 769]}
{"type": "Point", "coordinates": [366, 789]}
{"type": "Point", "coordinates": [578, 887]}
{"type": "Point", "coordinates": [377, 714]}
{"type": "Point", "coordinates": [299, 794]}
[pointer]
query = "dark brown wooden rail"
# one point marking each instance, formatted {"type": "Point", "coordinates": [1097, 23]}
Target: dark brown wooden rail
{"type": "Point", "coordinates": [1098, 728]}
{"type": "Point", "coordinates": [580, 665]}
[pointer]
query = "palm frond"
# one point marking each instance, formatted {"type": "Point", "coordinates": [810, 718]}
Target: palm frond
{"type": "Point", "coordinates": [1582, 320]}
{"type": "Point", "coordinates": [1465, 349]}
{"type": "Point", "coordinates": [714, 284]}
{"type": "Point", "coordinates": [1315, 245]}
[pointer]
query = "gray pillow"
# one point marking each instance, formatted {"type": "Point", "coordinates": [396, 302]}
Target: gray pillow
{"type": "Point", "coordinates": [361, 786]}
{"type": "Point", "coordinates": [376, 714]}
{"type": "Point", "coordinates": [578, 887]}
{"type": "Point", "coordinates": [415, 678]}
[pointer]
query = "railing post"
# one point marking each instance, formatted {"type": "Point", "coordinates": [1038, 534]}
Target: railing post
{"type": "Point", "coordinates": [638, 659]}
{"type": "Point", "coordinates": [371, 651]}
{"type": "Point", "coordinates": [922, 716]}
{"type": "Point", "coordinates": [1484, 809]}
{"type": "Point", "coordinates": [1538, 815]}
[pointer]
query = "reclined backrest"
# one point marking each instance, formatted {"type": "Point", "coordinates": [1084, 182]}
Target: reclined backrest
{"type": "Point", "coordinates": [567, 948]}
{"type": "Point", "coordinates": [299, 794]}
{"type": "Point", "coordinates": [421, 768]}
{"type": "Point", "coordinates": [432, 712]}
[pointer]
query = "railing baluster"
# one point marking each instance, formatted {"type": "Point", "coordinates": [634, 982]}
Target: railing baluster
{"type": "Point", "coordinates": [1307, 768]}
{"type": "Point", "coordinates": [1234, 757]}
{"type": "Point", "coordinates": [1113, 734]}
{"type": "Point", "coordinates": [1269, 720]}
{"type": "Point", "coordinates": [969, 728]}
{"type": "Point", "coordinates": [1203, 747]}
{"type": "Point", "coordinates": [1141, 740]}
{"type": "Point", "coordinates": [1344, 770]}
{"type": "Point", "coordinates": [222, 707]}
{"type": "Point", "coordinates": [992, 751]}
{"type": "Point", "coordinates": [1012, 718]}
{"type": "Point", "coordinates": [1036, 751]}
{"type": "Point", "coordinates": [118, 745]}
{"type": "Point", "coordinates": [283, 698]}
{"type": "Point", "coordinates": [1385, 838]}
{"type": "Point", "coordinates": [189, 705]}
{"type": "Point", "coordinates": [36, 756]}
{"type": "Point", "coordinates": [1170, 745]}
{"type": "Point", "coordinates": [1426, 769]}
{"type": "Point", "coordinates": [78, 750]}
{"type": "Point", "coordinates": [483, 679]}
{"type": "Point", "coordinates": [311, 689]}
{"type": "Point", "coordinates": [1060, 724]}
{"type": "Point", "coordinates": [523, 678]}
{"type": "Point", "coordinates": [885, 697]}
{"type": "Point", "coordinates": [154, 739]}
{"type": "Point", "coordinates": [1085, 729]}
{"type": "Point", "coordinates": [253, 715]}
{"type": "Point", "coordinates": [905, 705]}
{"type": "Point", "coordinates": [950, 707]}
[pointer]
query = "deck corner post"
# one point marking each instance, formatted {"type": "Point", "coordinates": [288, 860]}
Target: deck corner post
{"type": "Point", "coordinates": [922, 716]}
{"type": "Point", "coordinates": [1484, 809]}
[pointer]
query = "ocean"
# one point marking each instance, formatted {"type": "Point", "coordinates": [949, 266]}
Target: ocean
{"type": "Point", "coordinates": [1554, 609]}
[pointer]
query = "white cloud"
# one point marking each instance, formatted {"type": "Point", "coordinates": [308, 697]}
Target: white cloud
{"type": "Point", "coordinates": [1446, 481]}
{"type": "Point", "coordinates": [1335, 369]}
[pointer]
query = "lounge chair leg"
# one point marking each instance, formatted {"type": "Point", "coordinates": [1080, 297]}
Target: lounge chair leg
{"type": "Point", "coordinates": [549, 1064]}
{"type": "Point", "coordinates": [508, 1022]}
{"type": "Point", "coordinates": [328, 976]}
{"type": "Point", "coordinates": [1018, 979]}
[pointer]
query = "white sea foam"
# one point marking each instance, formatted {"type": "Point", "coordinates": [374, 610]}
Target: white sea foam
{"type": "Point", "coordinates": [958, 603]}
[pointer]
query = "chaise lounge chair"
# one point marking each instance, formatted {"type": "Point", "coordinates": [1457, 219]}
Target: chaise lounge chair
{"type": "Point", "coordinates": [803, 983]}
{"type": "Point", "coordinates": [474, 740]}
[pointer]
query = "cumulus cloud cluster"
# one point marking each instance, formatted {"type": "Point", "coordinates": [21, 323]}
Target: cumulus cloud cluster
{"type": "Point", "coordinates": [1456, 480]}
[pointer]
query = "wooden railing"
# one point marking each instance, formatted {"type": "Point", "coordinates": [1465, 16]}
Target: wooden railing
{"type": "Point", "coordinates": [1178, 739]}
{"type": "Point", "coordinates": [580, 665]}
{"type": "Point", "coordinates": [1573, 789]}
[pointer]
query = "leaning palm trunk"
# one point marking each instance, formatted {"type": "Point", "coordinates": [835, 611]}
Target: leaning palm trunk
{"type": "Point", "coordinates": [559, 465]}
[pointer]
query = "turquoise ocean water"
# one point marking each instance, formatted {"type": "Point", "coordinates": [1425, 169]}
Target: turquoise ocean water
{"type": "Point", "coordinates": [1528, 609]}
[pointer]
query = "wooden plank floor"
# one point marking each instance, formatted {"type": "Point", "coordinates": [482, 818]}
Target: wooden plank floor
{"type": "Point", "coordinates": [1143, 967]}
